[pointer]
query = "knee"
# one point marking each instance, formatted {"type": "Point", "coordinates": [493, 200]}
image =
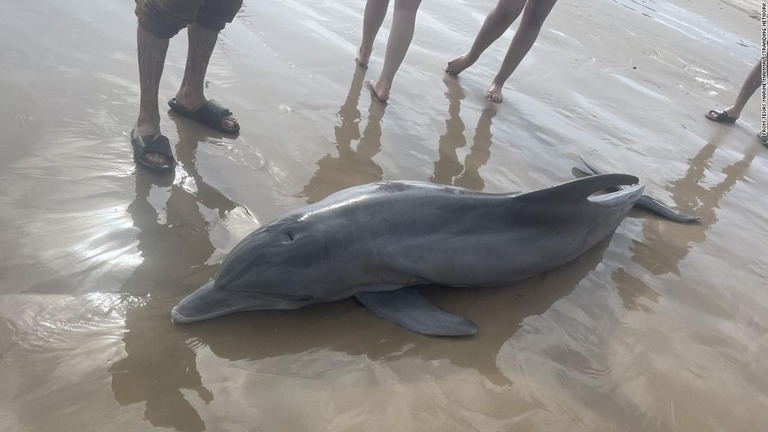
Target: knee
{"type": "Point", "coordinates": [507, 11]}
{"type": "Point", "coordinates": [536, 12]}
{"type": "Point", "coordinates": [408, 6]}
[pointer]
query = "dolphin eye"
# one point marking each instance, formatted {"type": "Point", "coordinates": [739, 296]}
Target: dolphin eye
{"type": "Point", "coordinates": [288, 237]}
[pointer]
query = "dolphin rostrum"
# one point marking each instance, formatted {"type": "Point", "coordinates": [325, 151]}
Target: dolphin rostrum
{"type": "Point", "coordinates": [379, 242]}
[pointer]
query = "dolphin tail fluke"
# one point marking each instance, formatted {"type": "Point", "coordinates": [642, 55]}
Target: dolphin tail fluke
{"type": "Point", "coordinates": [409, 308]}
{"type": "Point", "coordinates": [648, 202]}
{"type": "Point", "coordinates": [591, 169]}
{"type": "Point", "coordinates": [653, 205]}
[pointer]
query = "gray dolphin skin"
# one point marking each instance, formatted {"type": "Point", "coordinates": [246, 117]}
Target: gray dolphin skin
{"type": "Point", "coordinates": [647, 202]}
{"type": "Point", "coordinates": [379, 242]}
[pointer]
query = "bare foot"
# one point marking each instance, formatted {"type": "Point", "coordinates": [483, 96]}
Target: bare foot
{"type": "Point", "coordinates": [363, 57]}
{"type": "Point", "coordinates": [494, 93]}
{"type": "Point", "coordinates": [193, 103]}
{"type": "Point", "coordinates": [380, 89]}
{"type": "Point", "coordinates": [158, 159]}
{"type": "Point", "coordinates": [457, 65]}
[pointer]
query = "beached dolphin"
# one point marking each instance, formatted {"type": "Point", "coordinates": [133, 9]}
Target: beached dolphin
{"type": "Point", "coordinates": [379, 242]}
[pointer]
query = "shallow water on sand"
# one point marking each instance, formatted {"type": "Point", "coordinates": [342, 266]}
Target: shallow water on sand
{"type": "Point", "coordinates": [663, 327]}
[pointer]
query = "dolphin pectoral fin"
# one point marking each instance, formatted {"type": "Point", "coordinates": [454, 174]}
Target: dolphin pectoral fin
{"type": "Point", "coordinates": [409, 308]}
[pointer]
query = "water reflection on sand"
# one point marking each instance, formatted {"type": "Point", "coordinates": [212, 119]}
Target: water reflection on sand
{"type": "Point", "coordinates": [661, 327]}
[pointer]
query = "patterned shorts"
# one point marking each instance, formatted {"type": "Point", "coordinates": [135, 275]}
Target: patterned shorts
{"type": "Point", "coordinates": [165, 18]}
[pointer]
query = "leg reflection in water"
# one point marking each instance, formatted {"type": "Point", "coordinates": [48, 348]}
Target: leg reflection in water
{"type": "Point", "coordinates": [448, 169]}
{"type": "Point", "coordinates": [693, 194]}
{"type": "Point", "coordinates": [354, 166]}
{"type": "Point", "coordinates": [174, 248]}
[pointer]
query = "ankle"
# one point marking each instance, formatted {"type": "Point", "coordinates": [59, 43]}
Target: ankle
{"type": "Point", "coordinates": [470, 57]}
{"type": "Point", "coordinates": [382, 84]}
{"type": "Point", "coordinates": [497, 84]}
{"type": "Point", "coordinates": [147, 127]}
{"type": "Point", "coordinates": [190, 98]}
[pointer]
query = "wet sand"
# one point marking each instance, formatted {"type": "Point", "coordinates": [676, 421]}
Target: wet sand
{"type": "Point", "coordinates": [662, 328]}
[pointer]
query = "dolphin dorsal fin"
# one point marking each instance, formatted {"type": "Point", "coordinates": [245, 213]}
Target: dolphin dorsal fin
{"type": "Point", "coordinates": [578, 190]}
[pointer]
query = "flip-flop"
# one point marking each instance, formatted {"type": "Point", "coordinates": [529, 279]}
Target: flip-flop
{"type": "Point", "coordinates": [720, 116]}
{"type": "Point", "coordinates": [143, 144]}
{"type": "Point", "coordinates": [210, 114]}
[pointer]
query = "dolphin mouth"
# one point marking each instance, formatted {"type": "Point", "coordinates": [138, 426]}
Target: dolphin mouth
{"type": "Point", "coordinates": [178, 317]}
{"type": "Point", "coordinates": [206, 303]}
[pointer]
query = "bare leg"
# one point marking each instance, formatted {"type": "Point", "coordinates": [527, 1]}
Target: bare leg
{"type": "Point", "coordinates": [751, 84]}
{"type": "Point", "coordinates": [190, 95]}
{"type": "Point", "coordinates": [151, 54]}
{"type": "Point", "coordinates": [375, 11]}
{"type": "Point", "coordinates": [536, 11]}
{"type": "Point", "coordinates": [496, 23]}
{"type": "Point", "coordinates": [400, 37]}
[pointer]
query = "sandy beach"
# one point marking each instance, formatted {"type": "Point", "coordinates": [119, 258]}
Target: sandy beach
{"type": "Point", "coordinates": [664, 327]}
